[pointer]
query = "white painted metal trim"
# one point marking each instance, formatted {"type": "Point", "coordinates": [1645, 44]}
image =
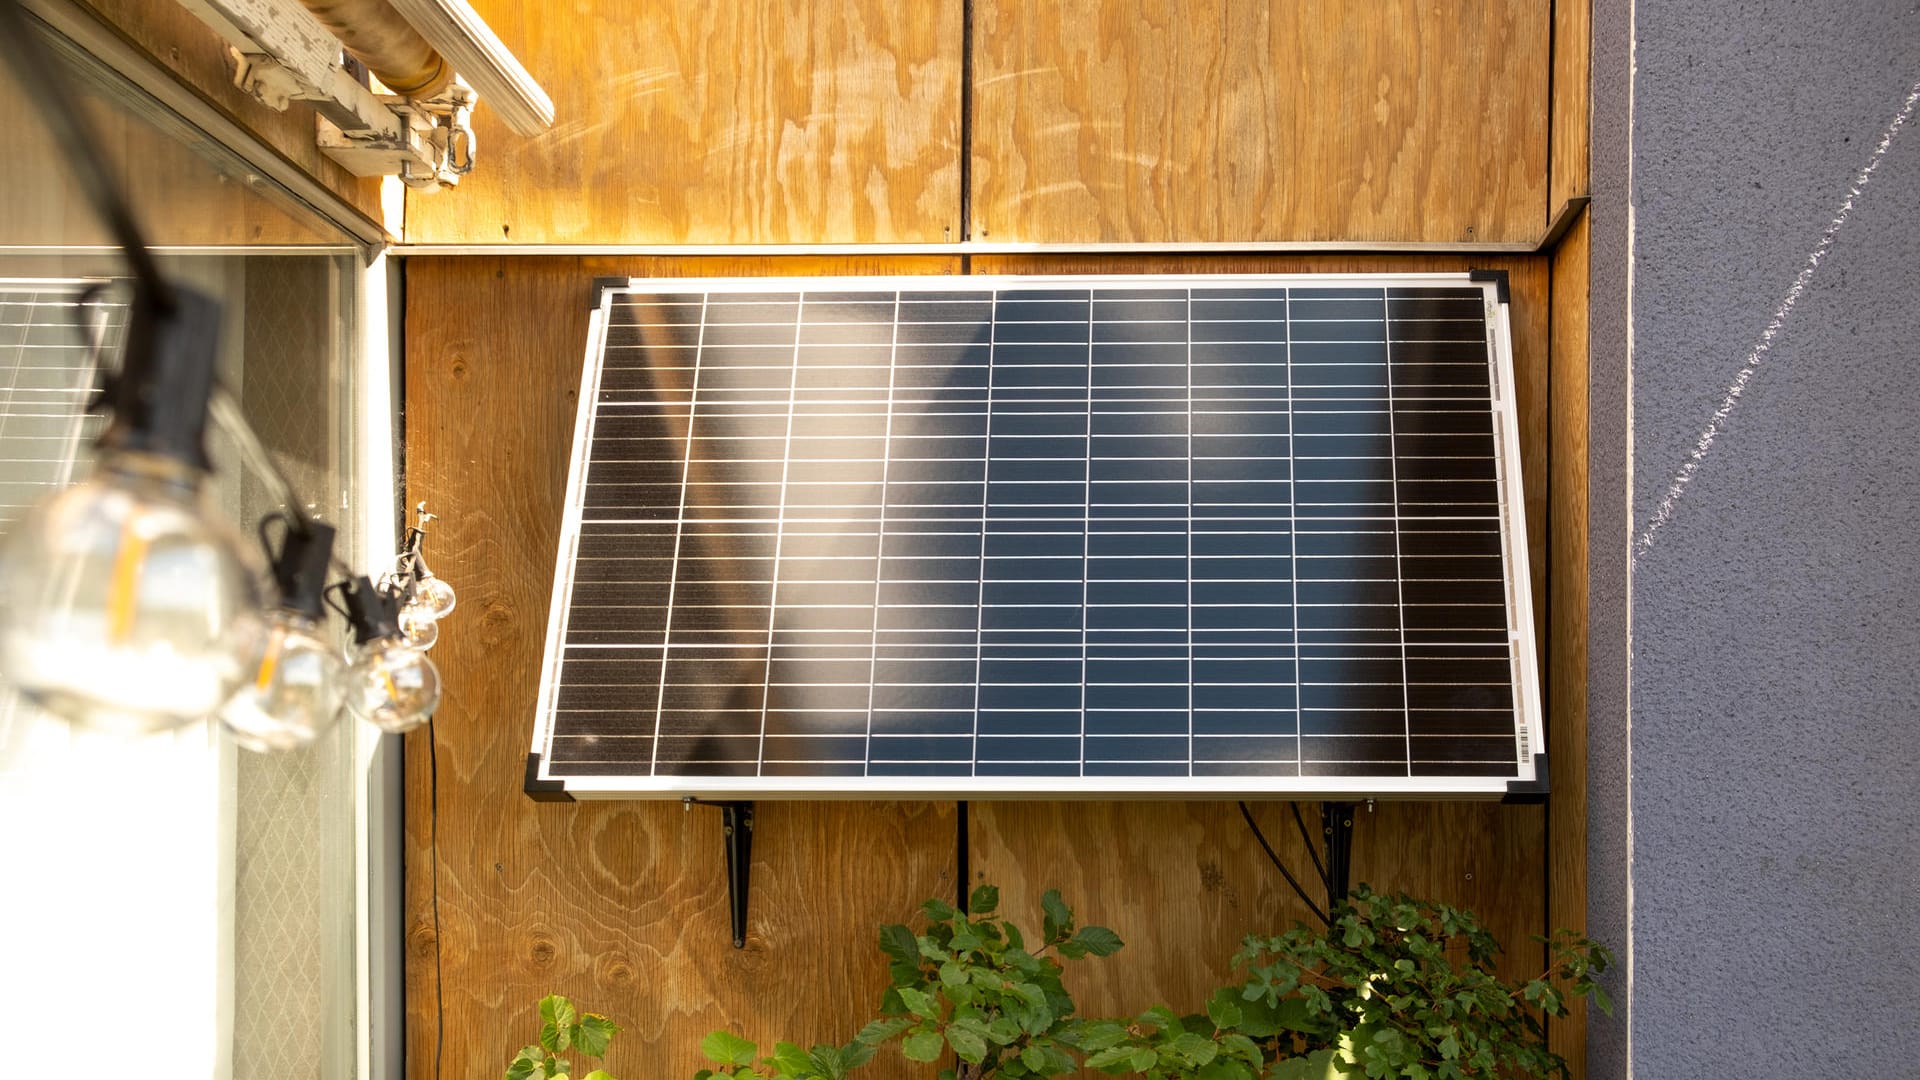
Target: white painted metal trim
{"type": "Point", "coordinates": [377, 927]}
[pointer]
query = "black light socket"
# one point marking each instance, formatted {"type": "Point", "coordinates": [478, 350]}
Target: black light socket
{"type": "Point", "coordinates": [372, 613]}
{"type": "Point", "coordinates": [300, 569]}
{"type": "Point", "coordinates": [159, 397]}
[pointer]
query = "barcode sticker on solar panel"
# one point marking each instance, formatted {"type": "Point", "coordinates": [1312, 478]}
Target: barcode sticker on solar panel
{"type": "Point", "coordinates": [1072, 536]}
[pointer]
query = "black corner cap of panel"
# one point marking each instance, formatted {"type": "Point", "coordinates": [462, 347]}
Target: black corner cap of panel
{"type": "Point", "coordinates": [1499, 279]}
{"type": "Point", "coordinates": [543, 790]}
{"type": "Point", "coordinates": [600, 287]}
{"type": "Point", "coordinates": [1529, 791]}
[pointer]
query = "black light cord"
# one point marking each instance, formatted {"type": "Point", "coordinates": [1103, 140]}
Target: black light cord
{"type": "Point", "coordinates": [433, 854]}
{"type": "Point", "coordinates": [1282, 867]}
{"type": "Point", "coordinates": [1312, 850]}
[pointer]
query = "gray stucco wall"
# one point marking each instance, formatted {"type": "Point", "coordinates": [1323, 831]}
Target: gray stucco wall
{"type": "Point", "coordinates": [1772, 812]}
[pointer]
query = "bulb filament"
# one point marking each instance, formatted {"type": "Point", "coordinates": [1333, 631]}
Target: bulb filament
{"type": "Point", "coordinates": [123, 593]}
{"type": "Point", "coordinates": [271, 662]}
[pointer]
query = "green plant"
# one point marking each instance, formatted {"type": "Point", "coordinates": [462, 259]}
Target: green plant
{"type": "Point", "coordinates": [1396, 987]}
{"type": "Point", "coordinates": [1379, 994]}
{"type": "Point", "coordinates": [563, 1029]}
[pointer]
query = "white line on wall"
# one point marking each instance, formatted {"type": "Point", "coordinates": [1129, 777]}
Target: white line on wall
{"type": "Point", "coordinates": [1751, 364]}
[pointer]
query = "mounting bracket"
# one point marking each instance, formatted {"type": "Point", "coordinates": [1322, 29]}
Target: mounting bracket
{"type": "Point", "coordinates": [1336, 824]}
{"type": "Point", "coordinates": [736, 819]}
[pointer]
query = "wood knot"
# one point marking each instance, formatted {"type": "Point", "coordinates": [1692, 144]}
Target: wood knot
{"type": "Point", "coordinates": [542, 952]}
{"type": "Point", "coordinates": [458, 369]}
{"type": "Point", "coordinates": [496, 623]}
{"type": "Point", "coordinates": [614, 971]}
{"type": "Point", "coordinates": [423, 941]}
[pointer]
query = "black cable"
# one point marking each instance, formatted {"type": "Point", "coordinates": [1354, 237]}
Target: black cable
{"type": "Point", "coordinates": [433, 853]}
{"type": "Point", "coordinates": [1282, 867]}
{"type": "Point", "coordinates": [962, 857]}
{"type": "Point", "coordinates": [1313, 851]}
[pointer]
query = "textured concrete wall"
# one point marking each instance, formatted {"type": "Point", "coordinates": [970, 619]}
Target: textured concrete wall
{"type": "Point", "coordinates": [1773, 808]}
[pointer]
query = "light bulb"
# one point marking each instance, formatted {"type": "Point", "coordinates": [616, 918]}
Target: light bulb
{"type": "Point", "coordinates": [126, 601]}
{"type": "Point", "coordinates": [419, 626]}
{"type": "Point", "coordinates": [432, 593]}
{"type": "Point", "coordinates": [392, 685]}
{"type": "Point", "coordinates": [296, 687]}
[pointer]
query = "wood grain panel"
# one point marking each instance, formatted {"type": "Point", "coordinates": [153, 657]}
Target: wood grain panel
{"type": "Point", "coordinates": [1567, 664]}
{"type": "Point", "coordinates": [621, 905]}
{"type": "Point", "coordinates": [1572, 100]}
{"type": "Point", "coordinates": [198, 57]}
{"type": "Point", "coordinates": [1256, 120]}
{"type": "Point", "coordinates": [685, 121]}
{"type": "Point", "coordinates": [1166, 871]}
{"type": "Point", "coordinates": [1181, 883]}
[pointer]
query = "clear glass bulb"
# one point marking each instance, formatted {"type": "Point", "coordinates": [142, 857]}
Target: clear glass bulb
{"type": "Point", "coordinates": [419, 626]}
{"type": "Point", "coordinates": [392, 685]}
{"type": "Point", "coordinates": [433, 594]}
{"type": "Point", "coordinates": [296, 690]}
{"type": "Point", "coordinates": [127, 602]}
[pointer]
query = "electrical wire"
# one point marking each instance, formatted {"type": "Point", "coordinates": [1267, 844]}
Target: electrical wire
{"type": "Point", "coordinates": [1282, 867]}
{"type": "Point", "coordinates": [1312, 853]}
{"type": "Point", "coordinates": [433, 855]}
{"type": "Point", "coordinates": [225, 411]}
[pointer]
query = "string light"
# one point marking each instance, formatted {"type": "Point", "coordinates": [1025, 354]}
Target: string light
{"type": "Point", "coordinates": [126, 603]}
{"type": "Point", "coordinates": [296, 689]}
{"type": "Point", "coordinates": [127, 600]}
{"type": "Point", "coordinates": [389, 683]}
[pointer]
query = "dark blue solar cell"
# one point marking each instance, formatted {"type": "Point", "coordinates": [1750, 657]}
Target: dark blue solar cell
{"type": "Point", "coordinates": [1039, 533]}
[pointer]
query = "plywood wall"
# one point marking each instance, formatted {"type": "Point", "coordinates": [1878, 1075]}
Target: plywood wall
{"type": "Point", "coordinates": [1164, 120]}
{"type": "Point", "coordinates": [693, 122]}
{"type": "Point", "coordinates": [855, 121]}
{"type": "Point", "coordinates": [623, 904]}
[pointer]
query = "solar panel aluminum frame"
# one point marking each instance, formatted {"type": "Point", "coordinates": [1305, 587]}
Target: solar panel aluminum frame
{"type": "Point", "coordinates": [1528, 781]}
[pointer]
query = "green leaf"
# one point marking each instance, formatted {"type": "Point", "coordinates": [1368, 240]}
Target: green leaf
{"type": "Point", "coordinates": [728, 1049]}
{"type": "Point", "coordinates": [1223, 1010]}
{"type": "Point", "coordinates": [1110, 1057]}
{"type": "Point", "coordinates": [830, 1062]}
{"type": "Point", "coordinates": [557, 1066]}
{"type": "Point", "coordinates": [984, 900]}
{"type": "Point", "coordinates": [967, 1045]}
{"type": "Point", "coordinates": [526, 1063]}
{"type": "Point", "coordinates": [952, 974]}
{"type": "Point", "coordinates": [1144, 1058]}
{"type": "Point", "coordinates": [922, 1046]}
{"type": "Point", "coordinates": [898, 943]}
{"type": "Point", "coordinates": [790, 1059]}
{"type": "Point", "coordinates": [555, 1038]}
{"type": "Point", "coordinates": [918, 1002]}
{"type": "Point", "coordinates": [598, 1074]}
{"type": "Point", "coordinates": [558, 1011]}
{"type": "Point", "coordinates": [1098, 940]}
{"type": "Point", "coordinates": [1057, 917]}
{"type": "Point", "coordinates": [593, 1033]}
{"type": "Point", "coordinates": [1034, 1058]}
{"type": "Point", "coordinates": [880, 1031]}
{"type": "Point", "coordinates": [1196, 1048]}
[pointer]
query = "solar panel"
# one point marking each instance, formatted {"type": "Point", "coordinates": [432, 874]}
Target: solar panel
{"type": "Point", "coordinates": [1186, 536]}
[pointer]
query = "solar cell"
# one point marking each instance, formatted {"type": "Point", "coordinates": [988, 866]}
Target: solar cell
{"type": "Point", "coordinates": [1067, 536]}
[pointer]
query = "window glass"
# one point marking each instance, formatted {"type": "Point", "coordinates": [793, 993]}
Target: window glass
{"type": "Point", "coordinates": [197, 900]}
